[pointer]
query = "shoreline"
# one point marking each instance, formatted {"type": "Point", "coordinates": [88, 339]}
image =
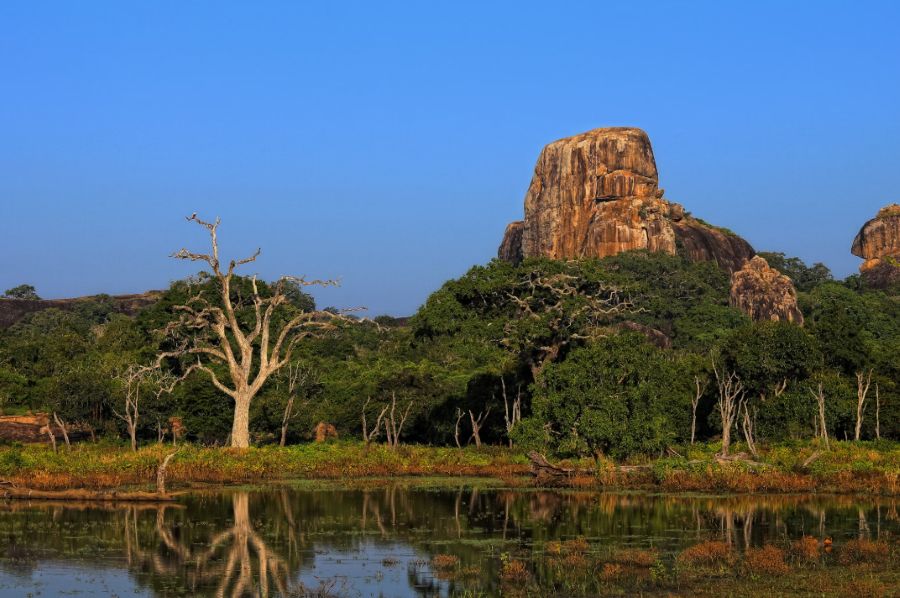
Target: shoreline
{"type": "Point", "coordinates": [111, 472]}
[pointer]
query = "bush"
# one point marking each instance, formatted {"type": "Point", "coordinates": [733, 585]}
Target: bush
{"type": "Point", "coordinates": [709, 553]}
{"type": "Point", "coordinates": [768, 560]}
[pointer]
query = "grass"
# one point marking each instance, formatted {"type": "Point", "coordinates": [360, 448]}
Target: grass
{"type": "Point", "coordinates": [865, 467]}
{"type": "Point", "coordinates": [709, 568]}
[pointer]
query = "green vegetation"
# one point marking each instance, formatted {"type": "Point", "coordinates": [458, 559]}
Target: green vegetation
{"type": "Point", "coordinates": [871, 467]}
{"type": "Point", "coordinates": [610, 358]}
{"type": "Point", "coordinates": [22, 291]}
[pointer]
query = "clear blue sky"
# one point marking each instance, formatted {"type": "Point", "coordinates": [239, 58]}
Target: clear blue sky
{"type": "Point", "coordinates": [389, 144]}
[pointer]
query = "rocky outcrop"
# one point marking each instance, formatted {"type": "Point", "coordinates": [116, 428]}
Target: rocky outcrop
{"type": "Point", "coordinates": [511, 246]}
{"type": "Point", "coordinates": [763, 293]}
{"type": "Point", "coordinates": [597, 194]}
{"type": "Point", "coordinates": [878, 242]}
{"type": "Point", "coordinates": [13, 310]}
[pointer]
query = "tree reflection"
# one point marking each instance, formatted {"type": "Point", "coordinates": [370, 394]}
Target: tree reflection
{"type": "Point", "coordinates": [236, 561]}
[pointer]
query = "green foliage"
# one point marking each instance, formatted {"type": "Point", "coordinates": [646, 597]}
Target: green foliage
{"type": "Point", "coordinates": [23, 291]}
{"type": "Point", "coordinates": [805, 278]}
{"type": "Point", "coordinates": [501, 324]}
{"type": "Point", "coordinates": [618, 396]}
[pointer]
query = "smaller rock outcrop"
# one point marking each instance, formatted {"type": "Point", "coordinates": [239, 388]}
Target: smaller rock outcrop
{"type": "Point", "coordinates": [878, 242]}
{"type": "Point", "coordinates": [511, 246]}
{"type": "Point", "coordinates": [764, 293]}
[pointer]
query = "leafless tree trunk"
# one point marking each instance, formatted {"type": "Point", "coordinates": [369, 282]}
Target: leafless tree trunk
{"type": "Point", "coordinates": [819, 396]}
{"type": "Point", "coordinates": [877, 412]}
{"type": "Point", "coordinates": [161, 473]}
{"type": "Point", "coordinates": [511, 417]}
{"type": "Point", "coordinates": [863, 381]}
{"type": "Point", "coordinates": [476, 425]}
{"type": "Point", "coordinates": [731, 394]}
{"type": "Point", "coordinates": [459, 416]}
{"type": "Point", "coordinates": [695, 400]}
{"type": "Point", "coordinates": [747, 426]}
{"type": "Point", "coordinates": [48, 430]}
{"type": "Point", "coordinates": [370, 435]}
{"type": "Point", "coordinates": [134, 378]}
{"type": "Point", "coordinates": [297, 377]}
{"type": "Point", "coordinates": [212, 334]}
{"type": "Point", "coordinates": [62, 426]}
{"type": "Point", "coordinates": [392, 427]}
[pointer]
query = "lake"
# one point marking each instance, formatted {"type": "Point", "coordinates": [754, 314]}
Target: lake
{"type": "Point", "coordinates": [381, 538]}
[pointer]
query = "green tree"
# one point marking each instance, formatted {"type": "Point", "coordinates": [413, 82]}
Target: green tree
{"type": "Point", "coordinates": [617, 396]}
{"type": "Point", "coordinates": [23, 291]}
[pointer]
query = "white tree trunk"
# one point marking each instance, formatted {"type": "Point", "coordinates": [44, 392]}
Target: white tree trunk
{"type": "Point", "coordinates": [240, 428]}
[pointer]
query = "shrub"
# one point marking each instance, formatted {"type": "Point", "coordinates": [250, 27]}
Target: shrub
{"type": "Point", "coordinates": [444, 561]}
{"type": "Point", "coordinates": [806, 549]}
{"type": "Point", "coordinates": [711, 552]}
{"type": "Point", "coordinates": [768, 559]}
{"type": "Point", "coordinates": [635, 557]}
{"type": "Point", "coordinates": [864, 551]}
{"type": "Point", "coordinates": [514, 570]}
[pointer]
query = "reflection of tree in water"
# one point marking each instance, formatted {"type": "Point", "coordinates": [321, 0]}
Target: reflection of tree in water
{"type": "Point", "coordinates": [236, 561]}
{"type": "Point", "coordinates": [236, 544]}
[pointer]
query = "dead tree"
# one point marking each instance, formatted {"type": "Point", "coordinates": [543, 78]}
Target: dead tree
{"type": "Point", "coordinates": [132, 379]}
{"type": "Point", "coordinates": [297, 378]}
{"type": "Point", "coordinates": [370, 435]}
{"type": "Point", "coordinates": [877, 412]}
{"type": "Point", "coordinates": [210, 331]}
{"type": "Point", "coordinates": [695, 400]}
{"type": "Point", "coordinates": [161, 474]}
{"type": "Point", "coordinates": [62, 427]}
{"type": "Point", "coordinates": [477, 423]}
{"type": "Point", "coordinates": [511, 417]}
{"type": "Point", "coordinates": [392, 426]}
{"type": "Point", "coordinates": [459, 416]}
{"type": "Point", "coordinates": [731, 395]}
{"type": "Point", "coordinates": [863, 380]}
{"type": "Point", "coordinates": [747, 426]}
{"type": "Point", "coordinates": [48, 430]}
{"type": "Point", "coordinates": [819, 396]}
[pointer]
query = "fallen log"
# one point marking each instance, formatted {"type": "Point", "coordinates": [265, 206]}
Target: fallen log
{"type": "Point", "coordinates": [541, 467]}
{"type": "Point", "coordinates": [81, 494]}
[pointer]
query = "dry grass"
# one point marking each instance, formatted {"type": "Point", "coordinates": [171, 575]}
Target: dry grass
{"type": "Point", "coordinates": [768, 560]}
{"type": "Point", "coordinates": [709, 553]}
{"type": "Point", "coordinates": [611, 571]}
{"type": "Point", "coordinates": [805, 549]}
{"type": "Point", "coordinates": [514, 570]}
{"type": "Point", "coordinates": [864, 551]}
{"type": "Point", "coordinates": [635, 557]}
{"type": "Point", "coordinates": [444, 561]}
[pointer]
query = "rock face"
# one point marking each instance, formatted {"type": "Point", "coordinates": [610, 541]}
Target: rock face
{"type": "Point", "coordinates": [878, 242]}
{"type": "Point", "coordinates": [763, 293]}
{"type": "Point", "coordinates": [596, 194]}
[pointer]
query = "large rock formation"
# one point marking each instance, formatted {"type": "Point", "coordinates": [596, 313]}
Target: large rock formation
{"type": "Point", "coordinates": [596, 194]}
{"type": "Point", "coordinates": [878, 242]}
{"type": "Point", "coordinates": [763, 293]}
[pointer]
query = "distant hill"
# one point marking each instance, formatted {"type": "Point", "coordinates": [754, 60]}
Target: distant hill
{"type": "Point", "coordinates": [13, 310]}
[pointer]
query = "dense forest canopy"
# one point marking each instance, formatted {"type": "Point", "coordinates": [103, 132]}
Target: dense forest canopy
{"type": "Point", "coordinates": [600, 357]}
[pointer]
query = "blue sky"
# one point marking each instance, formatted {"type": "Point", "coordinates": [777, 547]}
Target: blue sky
{"type": "Point", "coordinates": [389, 144]}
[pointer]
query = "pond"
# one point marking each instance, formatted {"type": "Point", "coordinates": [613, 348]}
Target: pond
{"type": "Point", "coordinates": [380, 538]}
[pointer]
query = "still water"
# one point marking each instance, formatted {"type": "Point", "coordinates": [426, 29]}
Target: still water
{"type": "Point", "coordinates": [377, 539]}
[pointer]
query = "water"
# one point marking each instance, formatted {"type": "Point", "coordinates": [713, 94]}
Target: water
{"type": "Point", "coordinates": [377, 540]}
